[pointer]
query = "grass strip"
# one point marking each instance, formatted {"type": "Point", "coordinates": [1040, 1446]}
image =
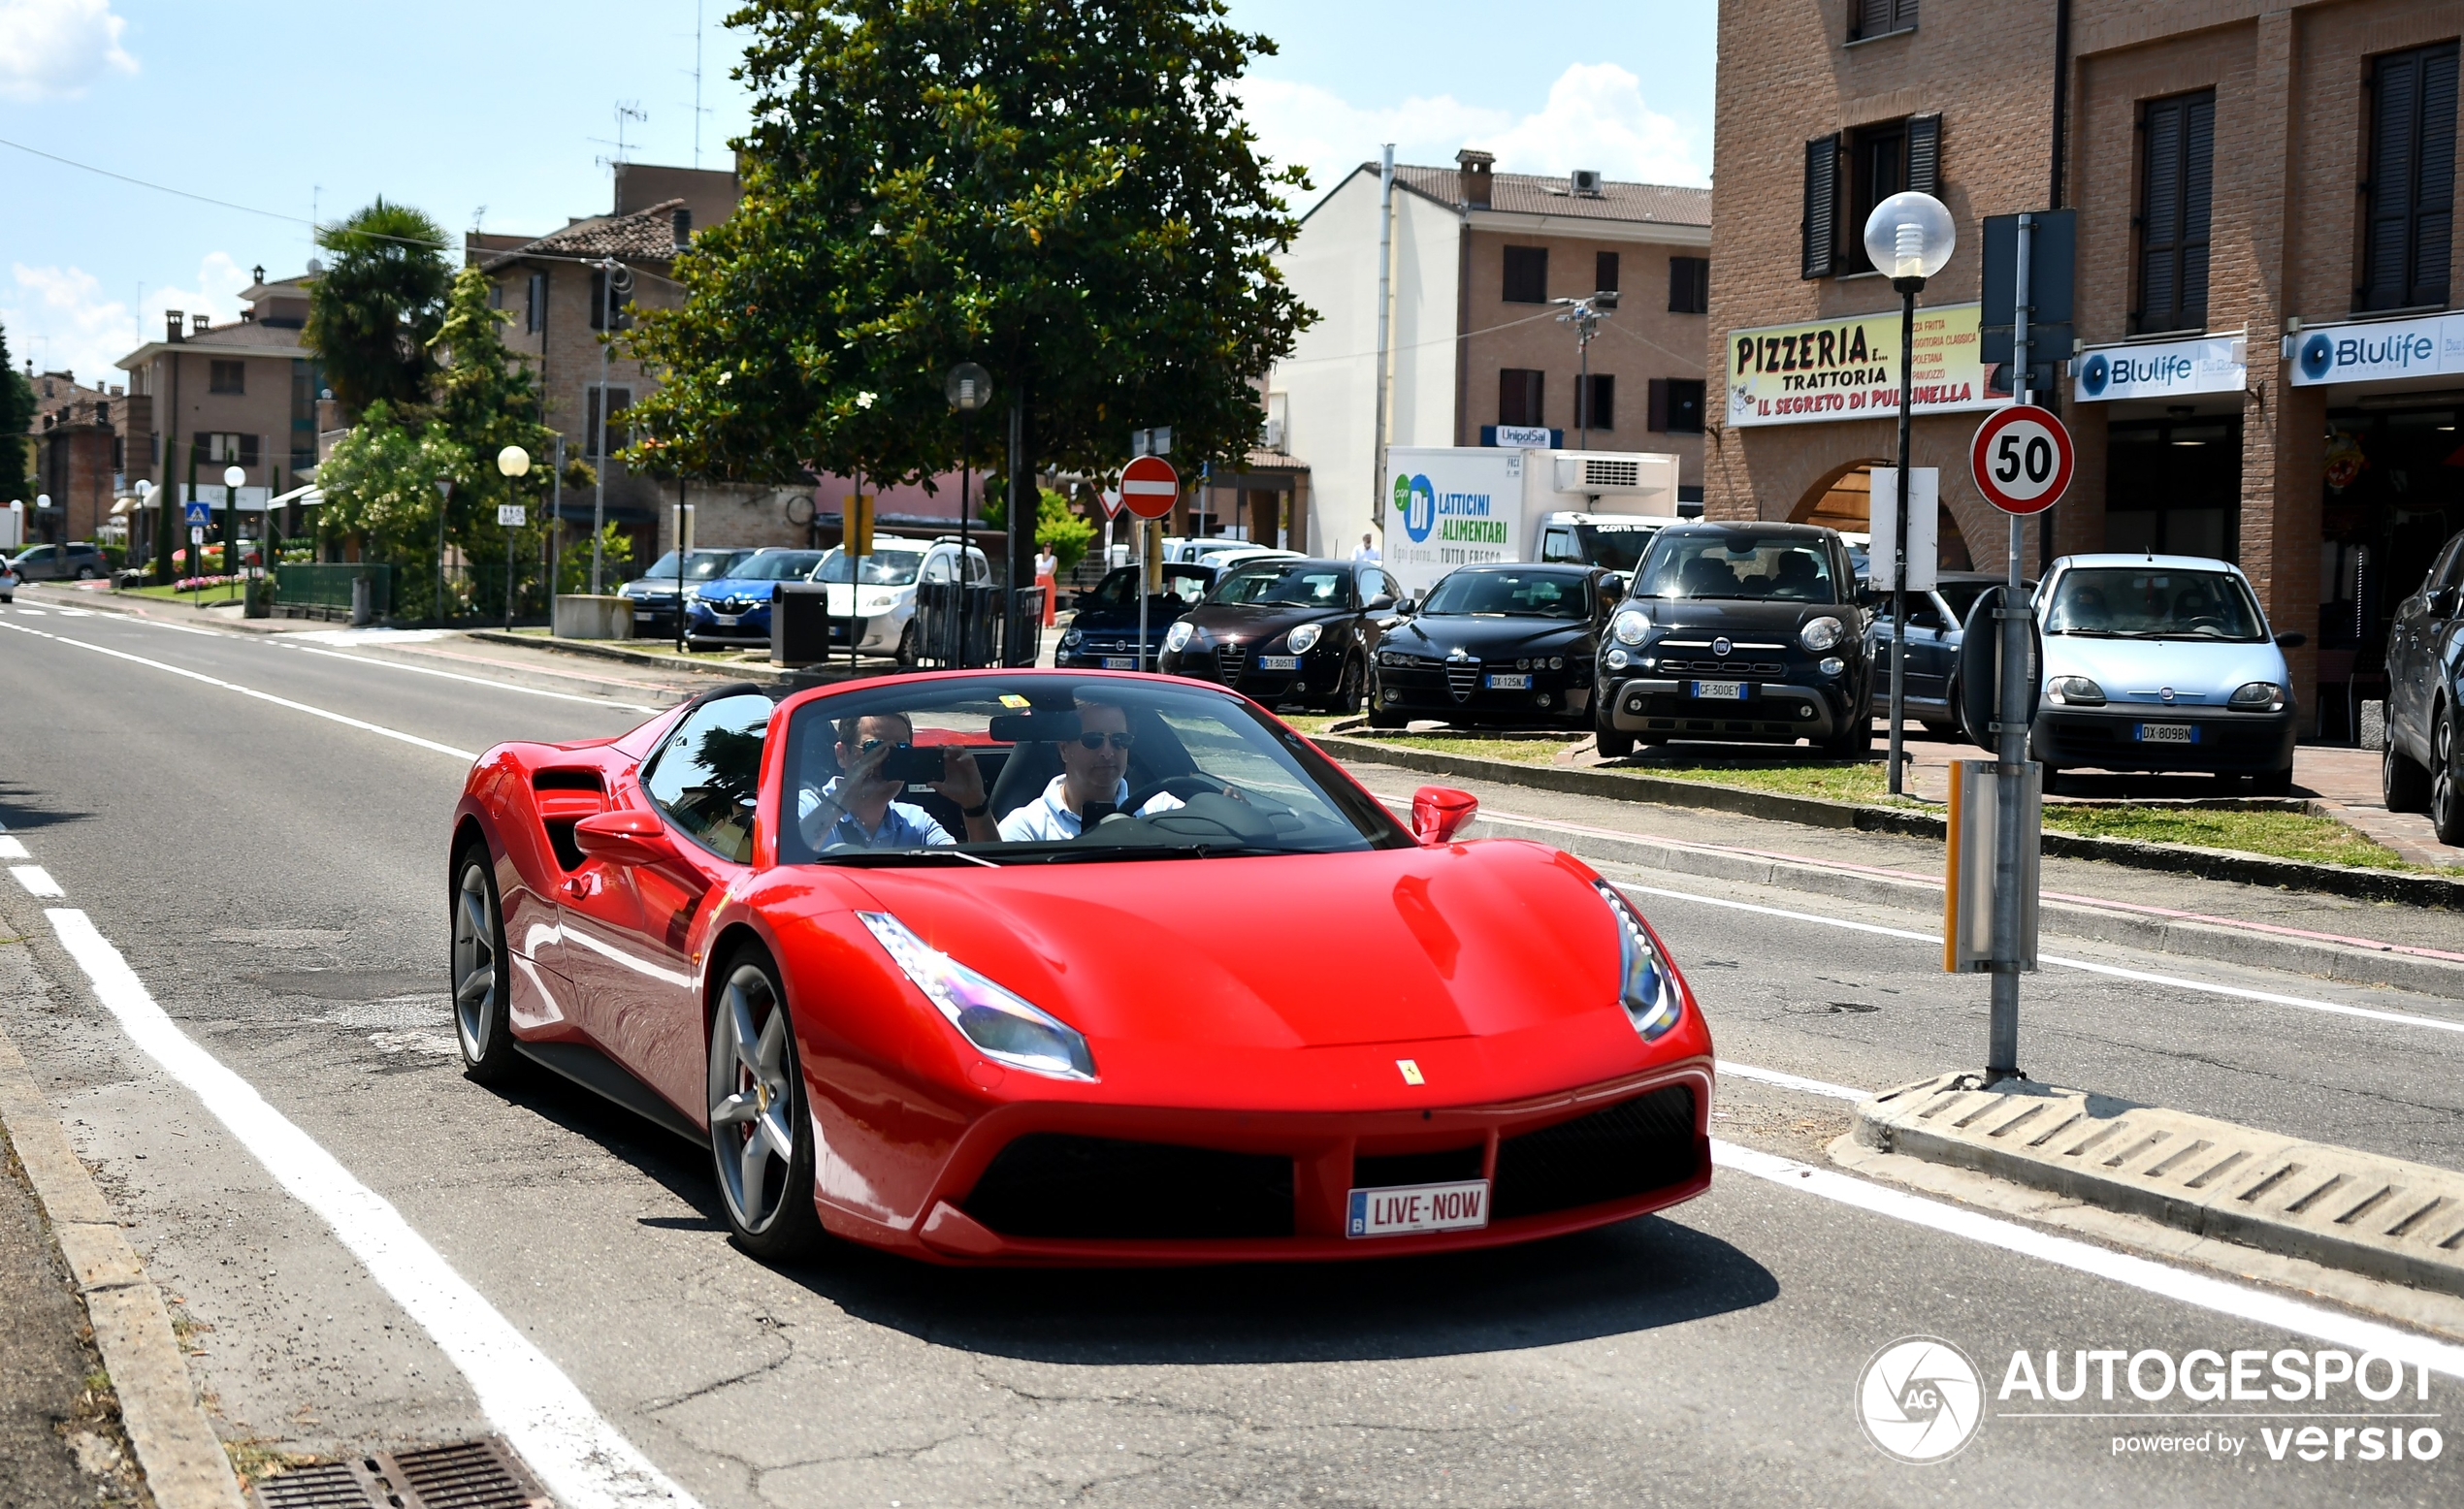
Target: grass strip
{"type": "Point", "coordinates": [2283, 835]}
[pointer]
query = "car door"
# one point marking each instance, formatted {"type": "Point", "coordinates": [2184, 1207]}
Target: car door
{"type": "Point", "coordinates": [2442, 634]}
{"type": "Point", "coordinates": [2411, 653]}
{"type": "Point", "coordinates": [625, 926]}
{"type": "Point", "coordinates": [35, 563]}
{"type": "Point", "coordinates": [1932, 627]}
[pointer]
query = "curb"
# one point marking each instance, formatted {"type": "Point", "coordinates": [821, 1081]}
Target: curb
{"type": "Point", "coordinates": [176, 1446]}
{"type": "Point", "coordinates": [2213, 864]}
{"type": "Point", "coordinates": [2382, 1217]}
{"type": "Point", "coordinates": [747, 670]}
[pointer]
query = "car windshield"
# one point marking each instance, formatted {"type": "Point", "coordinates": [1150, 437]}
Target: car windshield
{"type": "Point", "coordinates": [1508, 593]}
{"type": "Point", "coordinates": [882, 568]}
{"type": "Point", "coordinates": [2153, 602]}
{"type": "Point", "coordinates": [706, 566]}
{"type": "Point", "coordinates": [1617, 546]}
{"type": "Point", "coordinates": [1059, 769]}
{"type": "Point", "coordinates": [1185, 584]}
{"type": "Point", "coordinates": [1308, 584]}
{"type": "Point", "coordinates": [1738, 564]}
{"type": "Point", "coordinates": [776, 566]}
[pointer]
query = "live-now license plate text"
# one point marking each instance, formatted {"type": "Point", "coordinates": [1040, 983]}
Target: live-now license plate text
{"type": "Point", "coordinates": [1406, 1209]}
{"type": "Point", "coordinates": [1510, 683]}
{"type": "Point", "coordinates": [1278, 662]}
{"type": "Point", "coordinates": [1730, 690]}
{"type": "Point", "coordinates": [2168, 733]}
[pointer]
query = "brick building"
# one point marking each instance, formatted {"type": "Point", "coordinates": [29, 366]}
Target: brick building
{"type": "Point", "coordinates": [2268, 365]}
{"type": "Point", "coordinates": [1476, 256]}
{"type": "Point", "coordinates": [76, 457]}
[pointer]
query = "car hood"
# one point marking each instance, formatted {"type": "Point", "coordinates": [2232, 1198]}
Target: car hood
{"type": "Point", "coordinates": [1161, 612]}
{"type": "Point", "coordinates": [2137, 670]}
{"type": "Point", "coordinates": [1739, 618]}
{"type": "Point", "coordinates": [1252, 625]}
{"type": "Point", "coordinates": [737, 587]}
{"type": "Point", "coordinates": [1486, 638]}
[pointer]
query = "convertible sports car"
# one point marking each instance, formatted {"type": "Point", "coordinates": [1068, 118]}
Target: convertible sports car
{"type": "Point", "coordinates": [939, 963]}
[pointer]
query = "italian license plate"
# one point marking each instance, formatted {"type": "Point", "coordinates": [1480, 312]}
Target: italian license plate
{"type": "Point", "coordinates": [1121, 662]}
{"type": "Point", "coordinates": [1278, 662]}
{"type": "Point", "coordinates": [729, 618]}
{"type": "Point", "coordinates": [2168, 733]}
{"type": "Point", "coordinates": [1512, 682]}
{"type": "Point", "coordinates": [1723, 690]}
{"type": "Point", "coordinates": [1406, 1209]}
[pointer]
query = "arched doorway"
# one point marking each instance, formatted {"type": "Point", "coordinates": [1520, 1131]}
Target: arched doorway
{"type": "Point", "coordinates": [1843, 500]}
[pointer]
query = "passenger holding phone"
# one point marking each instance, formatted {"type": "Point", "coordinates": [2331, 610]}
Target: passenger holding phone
{"type": "Point", "coordinates": [856, 809]}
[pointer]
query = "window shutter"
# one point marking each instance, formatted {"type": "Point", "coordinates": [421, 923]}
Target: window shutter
{"type": "Point", "coordinates": [2160, 218]}
{"type": "Point", "coordinates": [1658, 400]}
{"type": "Point", "coordinates": [2198, 183]}
{"type": "Point", "coordinates": [2433, 191]}
{"type": "Point", "coordinates": [2395, 124]}
{"type": "Point", "coordinates": [1820, 230]}
{"type": "Point", "coordinates": [1604, 273]}
{"type": "Point", "coordinates": [1925, 154]}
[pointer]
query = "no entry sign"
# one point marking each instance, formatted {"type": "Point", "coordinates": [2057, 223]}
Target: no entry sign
{"type": "Point", "coordinates": [2022, 459]}
{"type": "Point", "coordinates": [1148, 487]}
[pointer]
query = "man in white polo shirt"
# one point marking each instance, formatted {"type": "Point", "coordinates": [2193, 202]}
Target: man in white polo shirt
{"type": "Point", "coordinates": [1094, 772]}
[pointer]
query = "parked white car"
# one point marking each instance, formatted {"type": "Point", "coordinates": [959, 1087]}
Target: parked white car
{"type": "Point", "coordinates": [885, 600]}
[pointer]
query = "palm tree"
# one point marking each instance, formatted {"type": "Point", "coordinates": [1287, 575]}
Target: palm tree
{"type": "Point", "coordinates": [372, 315]}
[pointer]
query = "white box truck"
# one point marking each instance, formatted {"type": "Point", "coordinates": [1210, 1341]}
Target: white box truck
{"type": "Point", "coordinates": [1460, 505]}
{"type": "Point", "coordinates": [11, 527]}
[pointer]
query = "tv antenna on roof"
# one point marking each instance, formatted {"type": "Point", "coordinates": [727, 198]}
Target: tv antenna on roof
{"type": "Point", "coordinates": [625, 110]}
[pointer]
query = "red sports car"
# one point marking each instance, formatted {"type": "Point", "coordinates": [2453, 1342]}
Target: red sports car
{"type": "Point", "coordinates": [1070, 967]}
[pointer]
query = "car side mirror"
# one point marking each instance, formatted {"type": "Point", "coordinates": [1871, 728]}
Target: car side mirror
{"type": "Point", "coordinates": [1408, 606]}
{"type": "Point", "coordinates": [1439, 813]}
{"type": "Point", "coordinates": [631, 837]}
{"type": "Point", "coordinates": [2291, 641]}
{"type": "Point", "coordinates": [2442, 603]}
{"type": "Point", "coordinates": [1379, 604]}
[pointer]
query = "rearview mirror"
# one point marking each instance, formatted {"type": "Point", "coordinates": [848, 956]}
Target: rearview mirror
{"type": "Point", "coordinates": [2293, 641]}
{"type": "Point", "coordinates": [631, 837]}
{"type": "Point", "coordinates": [2442, 603]}
{"type": "Point", "coordinates": [1379, 604]}
{"type": "Point", "coordinates": [1440, 812]}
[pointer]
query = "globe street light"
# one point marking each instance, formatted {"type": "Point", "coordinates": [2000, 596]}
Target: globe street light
{"type": "Point", "coordinates": [1909, 237]}
{"type": "Point", "coordinates": [232, 478]}
{"type": "Point", "coordinates": [969, 388]}
{"type": "Point", "coordinates": [514, 461]}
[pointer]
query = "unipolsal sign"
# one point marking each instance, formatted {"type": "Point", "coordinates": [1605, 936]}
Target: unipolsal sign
{"type": "Point", "coordinates": [2377, 352]}
{"type": "Point", "coordinates": [2162, 370]}
{"type": "Point", "coordinates": [1849, 369]}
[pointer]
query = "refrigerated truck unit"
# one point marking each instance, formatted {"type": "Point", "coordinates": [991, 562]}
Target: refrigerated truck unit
{"type": "Point", "coordinates": [1464, 505]}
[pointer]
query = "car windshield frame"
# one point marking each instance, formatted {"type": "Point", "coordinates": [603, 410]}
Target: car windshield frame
{"type": "Point", "coordinates": [1291, 799]}
{"type": "Point", "coordinates": [880, 570]}
{"type": "Point", "coordinates": [1127, 600]}
{"type": "Point", "coordinates": [708, 566]}
{"type": "Point", "coordinates": [1231, 588]}
{"type": "Point", "coordinates": [2066, 611]}
{"type": "Point", "coordinates": [1675, 555]}
{"type": "Point", "coordinates": [743, 571]}
{"type": "Point", "coordinates": [1442, 598]}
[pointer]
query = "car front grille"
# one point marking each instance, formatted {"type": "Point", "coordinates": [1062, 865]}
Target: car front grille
{"type": "Point", "coordinates": [1723, 667]}
{"type": "Point", "coordinates": [1230, 661]}
{"type": "Point", "coordinates": [1385, 1171]}
{"type": "Point", "coordinates": [1053, 1185]}
{"type": "Point", "coordinates": [1627, 1149]}
{"type": "Point", "coordinates": [1463, 678]}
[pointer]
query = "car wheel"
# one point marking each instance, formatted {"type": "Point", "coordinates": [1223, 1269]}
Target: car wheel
{"type": "Point", "coordinates": [908, 645]}
{"type": "Point", "coordinates": [86, 573]}
{"type": "Point", "coordinates": [1345, 700]}
{"type": "Point", "coordinates": [482, 982]}
{"type": "Point", "coordinates": [2051, 780]}
{"type": "Point", "coordinates": [2446, 782]}
{"type": "Point", "coordinates": [1854, 742]}
{"type": "Point", "coordinates": [1611, 743]}
{"type": "Point", "coordinates": [761, 1135]}
{"type": "Point", "coordinates": [2403, 784]}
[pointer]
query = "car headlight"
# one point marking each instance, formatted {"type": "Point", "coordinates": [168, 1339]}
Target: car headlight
{"type": "Point", "coordinates": [1177, 638]}
{"type": "Point", "coordinates": [1630, 627]}
{"type": "Point", "coordinates": [1557, 663]}
{"type": "Point", "coordinates": [1821, 634]}
{"type": "Point", "coordinates": [1304, 639]}
{"type": "Point", "coordinates": [2264, 696]}
{"type": "Point", "coordinates": [1646, 986]}
{"type": "Point", "coordinates": [881, 602]}
{"type": "Point", "coordinates": [999, 1023]}
{"type": "Point", "coordinates": [1071, 636]}
{"type": "Point", "coordinates": [1832, 665]}
{"type": "Point", "coordinates": [2075, 692]}
{"type": "Point", "coordinates": [1616, 659]}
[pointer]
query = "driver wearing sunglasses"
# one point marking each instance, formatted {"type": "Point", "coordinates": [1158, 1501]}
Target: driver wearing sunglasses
{"type": "Point", "coordinates": [1094, 774]}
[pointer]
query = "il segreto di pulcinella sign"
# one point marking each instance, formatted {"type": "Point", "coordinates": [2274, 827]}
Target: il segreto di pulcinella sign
{"type": "Point", "coordinates": [1849, 369]}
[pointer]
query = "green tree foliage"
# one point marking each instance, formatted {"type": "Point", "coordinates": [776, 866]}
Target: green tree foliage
{"type": "Point", "coordinates": [16, 417]}
{"type": "Point", "coordinates": [374, 314]}
{"type": "Point", "coordinates": [1063, 532]}
{"type": "Point", "coordinates": [1060, 189]}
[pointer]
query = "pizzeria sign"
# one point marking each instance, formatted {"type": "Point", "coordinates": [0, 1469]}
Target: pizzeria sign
{"type": "Point", "coordinates": [1849, 369]}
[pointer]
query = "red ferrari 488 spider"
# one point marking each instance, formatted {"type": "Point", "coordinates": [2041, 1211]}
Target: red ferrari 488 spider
{"type": "Point", "coordinates": [1070, 967]}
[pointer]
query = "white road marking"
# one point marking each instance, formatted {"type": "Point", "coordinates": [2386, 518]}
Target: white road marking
{"type": "Point", "coordinates": [36, 879]}
{"type": "Point", "coordinates": [476, 681]}
{"type": "Point", "coordinates": [250, 691]}
{"type": "Point", "coordinates": [11, 849]}
{"type": "Point", "coordinates": [584, 1461]}
{"type": "Point", "coordinates": [2177, 981]}
{"type": "Point", "coordinates": [2142, 1273]}
{"type": "Point", "coordinates": [1837, 1092]}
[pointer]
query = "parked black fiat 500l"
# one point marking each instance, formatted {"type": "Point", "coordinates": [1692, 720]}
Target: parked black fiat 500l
{"type": "Point", "coordinates": [1495, 644]}
{"type": "Point", "coordinates": [1737, 633]}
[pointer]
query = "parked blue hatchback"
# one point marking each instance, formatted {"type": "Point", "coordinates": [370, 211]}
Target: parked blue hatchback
{"type": "Point", "coordinates": [735, 609]}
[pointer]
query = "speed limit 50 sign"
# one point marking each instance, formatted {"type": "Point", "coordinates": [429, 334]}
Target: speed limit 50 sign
{"type": "Point", "coordinates": [2022, 459]}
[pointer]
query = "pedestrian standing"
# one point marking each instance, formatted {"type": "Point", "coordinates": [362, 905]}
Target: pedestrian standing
{"type": "Point", "coordinates": [1047, 570]}
{"type": "Point", "coordinates": [1367, 550]}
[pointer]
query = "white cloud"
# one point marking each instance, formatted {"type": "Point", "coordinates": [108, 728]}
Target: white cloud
{"type": "Point", "coordinates": [60, 320]}
{"type": "Point", "coordinates": [1595, 117]}
{"type": "Point", "coordinates": [53, 49]}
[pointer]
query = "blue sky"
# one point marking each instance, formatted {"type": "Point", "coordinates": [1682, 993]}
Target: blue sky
{"type": "Point", "coordinates": [497, 114]}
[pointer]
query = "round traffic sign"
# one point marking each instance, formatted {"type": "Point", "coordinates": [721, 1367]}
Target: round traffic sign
{"type": "Point", "coordinates": [1148, 487]}
{"type": "Point", "coordinates": [2022, 459]}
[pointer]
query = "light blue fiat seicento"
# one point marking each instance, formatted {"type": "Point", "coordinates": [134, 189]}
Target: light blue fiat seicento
{"type": "Point", "coordinates": [2162, 663]}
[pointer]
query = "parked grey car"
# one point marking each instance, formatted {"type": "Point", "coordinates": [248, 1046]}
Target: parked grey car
{"type": "Point", "coordinates": [1931, 683]}
{"type": "Point", "coordinates": [77, 562]}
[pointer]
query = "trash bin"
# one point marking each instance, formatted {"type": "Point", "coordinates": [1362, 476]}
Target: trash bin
{"type": "Point", "coordinates": [799, 624]}
{"type": "Point", "coordinates": [363, 596]}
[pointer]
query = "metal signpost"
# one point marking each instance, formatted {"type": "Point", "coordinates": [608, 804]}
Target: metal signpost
{"type": "Point", "coordinates": [1149, 485]}
{"type": "Point", "coordinates": [197, 513]}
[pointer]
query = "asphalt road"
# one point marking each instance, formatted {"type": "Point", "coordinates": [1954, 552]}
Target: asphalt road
{"type": "Point", "coordinates": [275, 877]}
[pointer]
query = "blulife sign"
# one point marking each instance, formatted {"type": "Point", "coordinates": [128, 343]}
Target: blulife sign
{"type": "Point", "coordinates": [1849, 369]}
{"type": "Point", "coordinates": [2163, 370]}
{"type": "Point", "coordinates": [2377, 352]}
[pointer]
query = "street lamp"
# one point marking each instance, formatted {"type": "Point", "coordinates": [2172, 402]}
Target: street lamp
{"type": "Point", "coordinates": [969, 388]}
{"type": "Point", "coordinates": [1909, 237]}
{"type": "Point", "coordinates": [232, 478]}
{"type": "Point", "coordinates": [1585, 314]}
{"type": "Point", "coordinates": [445, 500]}
{"type": "Point", "coordinates": [514, 461]}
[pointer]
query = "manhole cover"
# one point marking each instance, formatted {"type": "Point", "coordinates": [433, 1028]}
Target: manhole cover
{"type": "Point", "coordinates": [481, 1474]}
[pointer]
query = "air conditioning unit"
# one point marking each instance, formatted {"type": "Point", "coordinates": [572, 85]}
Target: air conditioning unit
{"type": "Point", "coordinates": [1587, 182]}
{"type": "Point", "coordinates": [1274, 436]}
{"type": "Point", "coordinates": [1614, 472]}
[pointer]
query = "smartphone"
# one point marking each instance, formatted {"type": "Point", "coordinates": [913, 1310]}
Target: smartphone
{"type": "Point", "coordinates": [916, 766]}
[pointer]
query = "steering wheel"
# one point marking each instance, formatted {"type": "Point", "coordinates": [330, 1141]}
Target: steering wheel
{"type": "Point", "coordinates": [1183, 786]}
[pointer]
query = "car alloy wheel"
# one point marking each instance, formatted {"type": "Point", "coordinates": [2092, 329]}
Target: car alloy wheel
{"type": "Point", "coordinates": [483, 1023]}
{"type": "Point", "coordinates": [2403, 784]}
{"type": "Point", "coordinates": [2447, 784]}
{"type": "Point", "coordinates": [761, 1140]}
{"type": "Point", "coordinates": [910, 645]}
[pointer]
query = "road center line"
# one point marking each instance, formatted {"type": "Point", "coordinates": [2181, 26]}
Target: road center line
{"type": "Point", "coordinates": [2176, 981]}
{"type": "Point", "coordinates": [250, 691]}
{"type": "Point", "coordinates": [583, 1459]}
{"type": "Point", "coordinates": [2213, 1294]}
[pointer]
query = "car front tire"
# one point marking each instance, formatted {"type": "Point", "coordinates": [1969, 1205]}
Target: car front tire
{"type": "Point", "coordinates": [2446, 782]}
{"type": "Point", "coordinates": [482, 979]}
{"type": "Point", "coordinates": [760, 1129]}
{"type": "Point", "coordinates": [2403, 784]}
{"type": "Point", "coordinates": [1611, 743]}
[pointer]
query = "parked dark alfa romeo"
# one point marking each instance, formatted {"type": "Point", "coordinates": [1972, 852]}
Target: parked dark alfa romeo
{"type": "Point", "coordinates": [1737, 633]}
{"type": "Point", "coordinates": [1103, 633]}
{"type": "Point", "coordinates": [1284, 630]}
{"type": "Point", "coordinates": [1495, 644]}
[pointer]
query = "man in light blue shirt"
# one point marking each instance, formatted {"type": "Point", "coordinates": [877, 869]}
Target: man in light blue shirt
{"type": "Point", "coordinates": [854, 810]}
{"type": "Point", "coordinates": [1094, 774]}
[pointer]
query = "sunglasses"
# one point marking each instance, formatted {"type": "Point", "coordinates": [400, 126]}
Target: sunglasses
{"type": "Point", "coordinates": [1095, 741]}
